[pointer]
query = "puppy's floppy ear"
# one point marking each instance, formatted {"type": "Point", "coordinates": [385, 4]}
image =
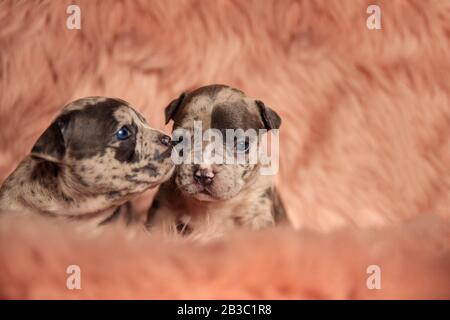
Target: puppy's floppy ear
{"type": "Point", "coordinates": [51, 145]}
{"type": "Point", "coordinates": [270, 118]}
{"type": "Point", "coordinates": [173, 107]}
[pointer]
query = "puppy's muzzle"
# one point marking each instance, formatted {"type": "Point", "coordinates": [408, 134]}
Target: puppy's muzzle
{"type": "Point", "coordinates": [204, 176]}
{"type": "Point", "coordinates": [165, 140]}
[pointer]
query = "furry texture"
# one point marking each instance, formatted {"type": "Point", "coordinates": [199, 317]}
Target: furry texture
{"type": "Point", "coordinates": [274, 264]}
{"type": "Point", "coordinates": [364, 141]}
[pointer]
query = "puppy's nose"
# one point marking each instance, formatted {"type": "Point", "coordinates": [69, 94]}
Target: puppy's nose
{"type": "Point", "coordinates": [204, 176]}
{"type": "Point", "coordinates": [165, 140]}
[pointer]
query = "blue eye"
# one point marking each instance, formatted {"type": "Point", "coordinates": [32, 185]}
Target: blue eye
{"type": "Point", "coordinates": [242, 146]}
{"type": "Point", "coordinates": [123, 133]}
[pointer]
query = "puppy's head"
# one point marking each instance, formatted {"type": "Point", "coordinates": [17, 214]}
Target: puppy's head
{"type": "Point", "coordinates": [103, 146]}
{"type": "Point", "coordinates": [219, 108]}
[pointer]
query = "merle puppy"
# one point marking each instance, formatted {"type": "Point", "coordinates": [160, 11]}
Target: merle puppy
{"type": "Point", "coordinates": [95, 156]}
{"type": "Point", "coordinates": [206, 200]}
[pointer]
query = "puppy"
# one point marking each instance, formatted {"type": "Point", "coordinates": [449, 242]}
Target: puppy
{"type": "Point", "coordinates": [206, 200]}
{"type": "Point", "coordinates": [95, 156]}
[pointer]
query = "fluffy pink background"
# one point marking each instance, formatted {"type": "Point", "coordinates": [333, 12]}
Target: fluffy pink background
{"type": "Point", "coordinates": [365, 140]}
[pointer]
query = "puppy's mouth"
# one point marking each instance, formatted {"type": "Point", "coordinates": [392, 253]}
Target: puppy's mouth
{"type": "Point", "coordinates": [163, 178]}
{"type": "Point", "coordinates": [204, 193]}
{"type": "Point", "coordinates": [168, 174]}
{"type": "Point", "coordinates": [160, 157]}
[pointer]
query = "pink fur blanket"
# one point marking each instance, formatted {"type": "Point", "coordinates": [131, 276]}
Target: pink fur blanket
{"type": "Point", "coordinates": [365, 148]}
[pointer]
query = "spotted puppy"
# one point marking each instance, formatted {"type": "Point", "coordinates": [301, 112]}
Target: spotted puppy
{"type": "Point", "coordinates": [206, 200]}
{"type": "Point", "coordinates": [95, 156]}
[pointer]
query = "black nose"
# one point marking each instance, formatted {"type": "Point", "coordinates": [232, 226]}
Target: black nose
{"type": "Point", "coordinates": [203, 176]}
{"type": "Point", "coordinates": [165, 140]}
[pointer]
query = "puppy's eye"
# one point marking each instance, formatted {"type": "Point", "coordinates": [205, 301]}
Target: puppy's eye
{"type": "Point", "coordinates": [242, 146]}
{"type": "Point", "coordinates": [123, 133]}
